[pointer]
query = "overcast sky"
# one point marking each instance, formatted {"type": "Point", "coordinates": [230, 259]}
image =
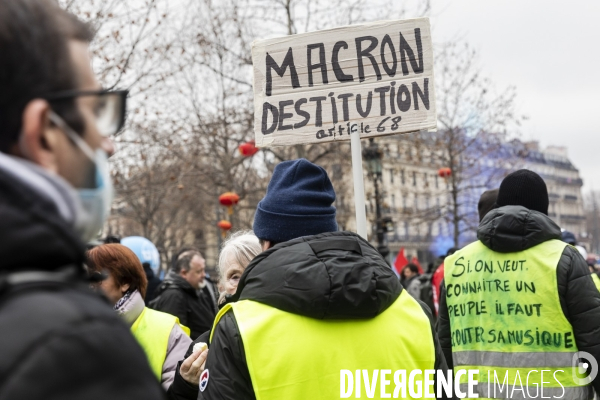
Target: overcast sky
{"type": "Point", "coordinates": [550, 51]}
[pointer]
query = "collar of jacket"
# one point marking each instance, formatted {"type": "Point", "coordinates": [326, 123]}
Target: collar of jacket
{"type": "Point", "coordinates": [176, 280]}
{"type": "Point", "coordinates": [510, 229]}
{"type": "Point", "coordinates": [132, 308]}
{"type": "Point", "coordinates": [336, 275]}
{"type": "Point", "coordinates": [39, 212]}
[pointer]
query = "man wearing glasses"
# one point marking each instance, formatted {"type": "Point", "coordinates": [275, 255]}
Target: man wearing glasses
{"type": "Point", "coordinates": [57, 339]}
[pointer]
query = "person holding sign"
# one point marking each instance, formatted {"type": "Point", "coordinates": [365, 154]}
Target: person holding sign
{"type": "Point", "coordinates": [518, 304]}
{"type": "Point", "coordinates": [304, 306]}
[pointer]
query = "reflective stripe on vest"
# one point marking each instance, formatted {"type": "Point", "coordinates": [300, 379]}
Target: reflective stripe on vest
{"type": "Point", "coordinates": [509, 391]}
{"type": "Point", "coordinates": [596, 281]}
{"type": "Point", "coordinates": [294, 357]}
{"type": "Point", "coordinates": [506, 318]}
{"type": "Point", "coordinates": [152, 330]}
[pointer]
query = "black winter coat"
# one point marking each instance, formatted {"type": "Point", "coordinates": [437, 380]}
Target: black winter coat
{"type": "Point", "coordinates": [58, 339]}
{"type": "Point", "coordinates": [324, 287]}
{"type": "Point", "coordinates": [180, 389]}
{"type": "Point", "coordinates": [513, 228]}
{"type": "Point", "coordinates": [177, 297]}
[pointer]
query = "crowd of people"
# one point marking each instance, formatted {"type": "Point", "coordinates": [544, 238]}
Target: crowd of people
{"type": "Point", "coordinates": [295, 302]}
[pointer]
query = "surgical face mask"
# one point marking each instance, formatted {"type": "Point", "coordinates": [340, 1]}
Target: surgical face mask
{"type": "Point", "coordinates": [95, 202]}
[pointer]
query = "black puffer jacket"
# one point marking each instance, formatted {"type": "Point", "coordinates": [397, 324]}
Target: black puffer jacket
{"type": "Point", "coordinates": [58, 339]}
{"type": "Point", "coordinates": [512, 228]}
{"type": "Point", "coordinates": [329, 276]}
{"type": "Point", "coordinates": [177, 297]}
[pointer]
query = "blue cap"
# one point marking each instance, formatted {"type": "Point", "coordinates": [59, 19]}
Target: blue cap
{"type": "Point", "coordinates": [298, 203]}
{"type": "Point", "coordinates": [144, 249]}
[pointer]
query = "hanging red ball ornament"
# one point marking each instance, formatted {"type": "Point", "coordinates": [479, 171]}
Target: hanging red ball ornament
{"type": "Point", "coordinates": [444, 172]}
{"type": "Point", "coordinates": [229, 200]}
{"type": "Point", "coordinates": [225, 226]}
{"type": "Point", "coordinates": [248, 149]}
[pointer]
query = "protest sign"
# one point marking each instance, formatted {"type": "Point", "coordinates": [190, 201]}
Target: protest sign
{"type": "Point", "coordinates": [374, 79]}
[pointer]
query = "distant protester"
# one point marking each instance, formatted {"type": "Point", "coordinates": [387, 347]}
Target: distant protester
{"type": "Point", "coordinates": [487, 202]}
{"type": "Point", "coordinates": [410, 280]}
{"type": "Point", "coordinates": [162, 337]}
{"type": "Point", "coordinates": [184, 294]}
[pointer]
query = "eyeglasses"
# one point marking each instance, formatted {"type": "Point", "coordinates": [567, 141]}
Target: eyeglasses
{"type": "Point", "coordinates": [109, 109]}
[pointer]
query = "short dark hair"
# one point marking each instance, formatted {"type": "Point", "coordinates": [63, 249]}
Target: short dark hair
{"type": "Point", "coordinates": [184, 260]}
{"type": "Point", "coordinates": [35, 61]}
{"type": "Point", "coordinates": [412, 267]}
{"type": "Point", "coordinates": [263, 241]}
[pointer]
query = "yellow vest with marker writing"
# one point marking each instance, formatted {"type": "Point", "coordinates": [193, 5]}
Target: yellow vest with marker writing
{"type": "Point", "coordinates": [506, 321]}
{"type": "Point", "coordinates": [294, 357]}
{"type": "Point", "coordinates": [152, 330]}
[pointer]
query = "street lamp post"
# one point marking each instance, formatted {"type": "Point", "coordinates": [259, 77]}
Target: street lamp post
{"type": "Point", "coordinates": [372, 155]}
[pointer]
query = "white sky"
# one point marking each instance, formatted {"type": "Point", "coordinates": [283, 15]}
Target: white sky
{"type": "Point", "coordinates": [550, 51]}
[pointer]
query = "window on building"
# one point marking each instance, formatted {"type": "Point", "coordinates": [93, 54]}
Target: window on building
{"type": "Point", "coordinates": [402, 176]}
{"type": "Point", "coordinates": [425, 180]}
{"type": "Point", "coordinates": [391, 176]}
{"type": "Point", "coordinates": [406, 228]}
{"type": "Point", "coordinates": [427, 202]}
{"type": "Point", "coordinates": [437, 182]}
{"type": "Point", "coordinates": [440, 228]}
{"type": "Point", "coordinates": [414, 178]}
{"type": "Point", "coordinates": [404, 202]}
{"type": "Point", "coordinates": [393, 202]}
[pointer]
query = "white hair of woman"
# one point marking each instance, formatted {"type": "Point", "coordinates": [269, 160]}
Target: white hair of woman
{"type": "Point", "coordinates": [236, 253]}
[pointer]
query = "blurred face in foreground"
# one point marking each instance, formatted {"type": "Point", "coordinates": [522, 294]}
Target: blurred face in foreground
{"type": "Point", "coordinates": [45, 143]}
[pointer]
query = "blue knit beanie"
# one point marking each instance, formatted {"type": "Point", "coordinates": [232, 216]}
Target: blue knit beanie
{"type": "Point", "coordinates": [298, 203]}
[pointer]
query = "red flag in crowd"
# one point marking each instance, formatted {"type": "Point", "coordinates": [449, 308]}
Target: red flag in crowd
{"type": "Point", "coordinates": [416, 262]}
{"type": "Point", "coordinates": [400, 261]}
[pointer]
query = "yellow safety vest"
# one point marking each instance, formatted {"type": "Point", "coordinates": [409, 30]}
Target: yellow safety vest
{"type": "Point", "coordinates": [596, 281]}
{"type": "Point", "coordinates": [294, 357]}
{"type": "Point", "coordinates": [152, 330]}
{"type": "Point", "coordinates": [507, 322]}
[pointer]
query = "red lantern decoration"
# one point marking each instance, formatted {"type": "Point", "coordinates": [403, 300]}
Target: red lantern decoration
{"type": "Point", "coordinates": [444, 172]}
{"type": "Point", "coordinates": [248, 149]}
{"type": "Point", "coordinates": [225, 226]}
{"type": "Point", "coordinates": [229, 200]}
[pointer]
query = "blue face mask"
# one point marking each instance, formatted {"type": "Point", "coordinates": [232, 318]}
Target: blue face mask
{"type": "Point", "coordinates": [95, 202]}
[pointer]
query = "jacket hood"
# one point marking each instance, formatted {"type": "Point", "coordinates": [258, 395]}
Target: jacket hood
{"type": "Point", "coordinates": [336, 275]}
{"type": "Point", "coordinates": [39, 212]}
{"type": "Point", "coordinates": [510, 229]}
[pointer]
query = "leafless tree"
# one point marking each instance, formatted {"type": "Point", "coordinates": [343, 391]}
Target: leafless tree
{"type": "Point", "coordinates": [474, 123]}
{"type": "Point", "coordinates": [188, 66]}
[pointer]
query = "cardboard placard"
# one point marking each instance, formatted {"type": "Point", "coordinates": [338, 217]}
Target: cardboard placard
{"type": "Point", "coordinates": [374, 78]}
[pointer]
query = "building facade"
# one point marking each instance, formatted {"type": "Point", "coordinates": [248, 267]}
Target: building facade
{"type": "Point", "coordinates": [419, 201]}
